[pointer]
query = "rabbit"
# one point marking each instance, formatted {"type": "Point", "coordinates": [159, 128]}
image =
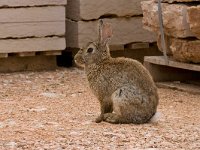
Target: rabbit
{"type": "Point", "coordinates": [124, 88]}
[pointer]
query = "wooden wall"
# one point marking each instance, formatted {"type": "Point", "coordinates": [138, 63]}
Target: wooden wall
{"type": "Point", "coordinates": [29, 26]}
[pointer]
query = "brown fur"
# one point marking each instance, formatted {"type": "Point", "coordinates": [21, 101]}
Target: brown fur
{"type": "Point", "coordinates": [124, 88]}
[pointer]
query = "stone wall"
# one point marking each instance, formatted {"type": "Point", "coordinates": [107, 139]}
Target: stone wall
{"type": "Point", "coordinates": [124, 15]}
{"type": "Point", "coordinates": [181, 26]}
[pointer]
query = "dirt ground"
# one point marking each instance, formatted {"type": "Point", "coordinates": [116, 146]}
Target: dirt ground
{"type": "Point", "coordinates": [55, 110]}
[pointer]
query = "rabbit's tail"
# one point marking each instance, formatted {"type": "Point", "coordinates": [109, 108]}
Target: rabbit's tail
{"type": "Point", "coordinates": [156, 117]}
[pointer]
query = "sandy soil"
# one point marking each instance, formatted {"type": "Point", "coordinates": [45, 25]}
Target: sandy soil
{"type": "Point", "coordinates": [55, 110]}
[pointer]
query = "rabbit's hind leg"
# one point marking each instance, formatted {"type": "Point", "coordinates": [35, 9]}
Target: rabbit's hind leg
{"type": "Point", "coordinates": [128, 105]}
{"type": "Point", "coordinates": [120, 104]}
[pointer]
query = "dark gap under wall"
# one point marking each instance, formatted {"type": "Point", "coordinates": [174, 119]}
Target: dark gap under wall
{"type": "Point", "coordinates": [65, 60]}
{"type": "Point", "coordinates": [138, 54]}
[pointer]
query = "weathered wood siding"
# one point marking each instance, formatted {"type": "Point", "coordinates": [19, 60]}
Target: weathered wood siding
{"type": "Point", "coordinates": [32, 25]}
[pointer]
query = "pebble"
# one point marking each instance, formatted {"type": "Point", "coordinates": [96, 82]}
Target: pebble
{"type": "Point", "coordinates": [50, 95]}
{"type": "Point", "coordinates": [11, 145]}
{"type": "Point", "coordinates": [38, 109]}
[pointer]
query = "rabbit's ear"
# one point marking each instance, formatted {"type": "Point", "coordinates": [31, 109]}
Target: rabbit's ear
{"type": "Point", "coordinates": [105, 32]}
{"type": "Point", "coordinates": [100, 30]}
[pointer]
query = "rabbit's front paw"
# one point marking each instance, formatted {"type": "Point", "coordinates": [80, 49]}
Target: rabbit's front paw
{"type": "Point", "coordinates": [99, 119]}
{"type": "Point", "coordinates": [111, 118]}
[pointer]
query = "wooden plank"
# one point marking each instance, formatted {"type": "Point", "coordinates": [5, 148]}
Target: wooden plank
{"type": "Point", "coordinates": [168, 73]}
{"type": "Point", "coordinates": [161, 61]}
{"type": "Point", "coordinates": [50, 53]}
{"type": "Point", "coordinates": [32, 14]}
{"type": "Point", "coordinates": [138, 46]}
{"type": "Point", "coordinates": [32, 45]}
{"type": "Point", "coordinates": [94, 9]}
{"type": "Point", "coordinates": [25, 54]}
{"type": "Point", "coordinates": [13, 64]}
{"type": "Point", "coordinates": [37, 29]}
{"type": "Point", "coordinates": [124, 31]}
{"type": "Point", "coordinates": [116, 47]}
{"type": "Point", "coordinates": [19, 3]}
{"type": "Point", "coordinates": [3, 55]}
{"type": "Point", "coordinates": [194, 89]}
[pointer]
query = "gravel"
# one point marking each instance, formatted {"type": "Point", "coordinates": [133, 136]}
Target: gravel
{"type": "Point", "coordinates": [55, 110]}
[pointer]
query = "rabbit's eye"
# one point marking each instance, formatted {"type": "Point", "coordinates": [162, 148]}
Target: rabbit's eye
{"type": "Point", "coordinates": [90, 50]}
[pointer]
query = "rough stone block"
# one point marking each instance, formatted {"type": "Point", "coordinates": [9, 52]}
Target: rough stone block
{"type": "Point", "coordinates": [93, 9]}
{"type": "Point", "coordinates": [183, 50]}
{"type": "Point", "coordinates": [175, 19]}
{"type": "Point", "coordinates": [186, 50]}
{"type": "Point", "coordinates": [125, 31]}
{"type": "Point", "coordinates": [167, 42]}
{"type": "Point", "coordinates": [194, 19]}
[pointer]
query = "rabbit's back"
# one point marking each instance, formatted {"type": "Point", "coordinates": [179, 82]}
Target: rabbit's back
{"type": "Point", "coordinates": [108, 76]}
